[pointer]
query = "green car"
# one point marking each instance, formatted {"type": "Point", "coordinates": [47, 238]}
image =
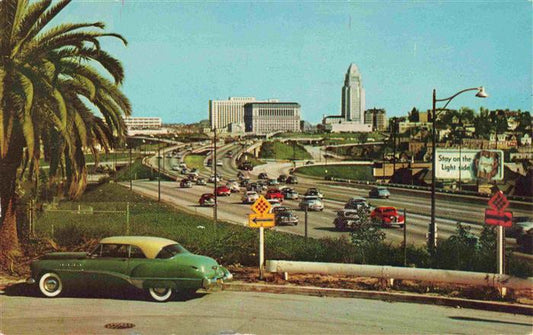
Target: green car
{"type": "Point", "coordinates": [159, 266]}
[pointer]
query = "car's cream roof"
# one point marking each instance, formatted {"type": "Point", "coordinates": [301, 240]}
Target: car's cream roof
{"type": "Point", "coordinates": [149, 245]}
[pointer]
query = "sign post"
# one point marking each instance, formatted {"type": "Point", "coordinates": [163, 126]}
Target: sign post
{"type": "Point", "coordinates": [261, 219]}
{"type": "Point", "coordinates": [497, 215]}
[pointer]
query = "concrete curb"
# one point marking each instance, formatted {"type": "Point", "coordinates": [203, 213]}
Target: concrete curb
{"type": "Point", "coordinates": [384, 296]}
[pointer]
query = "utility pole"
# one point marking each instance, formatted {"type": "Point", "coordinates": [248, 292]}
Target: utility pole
{"type": "Point", "coordinates": [214, 163]}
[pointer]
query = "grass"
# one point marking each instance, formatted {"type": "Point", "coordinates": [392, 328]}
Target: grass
{"type": "Point", "coordinates": [138, 171]}
{"type": "Point", "coordinates": [283, 151]}
{"type": "Point", "coordinates": [354, 172]}
{"type": "Point", "coordinates": [195, 161]}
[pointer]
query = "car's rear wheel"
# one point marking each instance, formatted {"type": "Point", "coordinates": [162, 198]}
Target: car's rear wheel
{"type": "Point", "coordinates": [50, 285]}
{"type": "Point", "coordinates": [160, 294]}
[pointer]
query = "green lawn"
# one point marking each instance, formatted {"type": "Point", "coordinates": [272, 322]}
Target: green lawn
{"type": "Point", "coordinates": [354, 172]}
{"type": "Point", "coordinates": [281, 150]}
{"type": "Point", "coordinates": [195, 161]}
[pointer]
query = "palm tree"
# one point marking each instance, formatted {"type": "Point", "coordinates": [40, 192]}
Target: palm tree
{"type": "Point", "coordinates": [54, 102]}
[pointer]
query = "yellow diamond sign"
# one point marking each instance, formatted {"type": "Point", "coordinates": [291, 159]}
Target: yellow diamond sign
{"type": "Point", "coordinates": [261, 206]}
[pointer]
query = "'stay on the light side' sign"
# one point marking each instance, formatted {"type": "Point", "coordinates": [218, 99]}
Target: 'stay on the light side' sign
{"type": "Point", "coordinates": [469, 164]}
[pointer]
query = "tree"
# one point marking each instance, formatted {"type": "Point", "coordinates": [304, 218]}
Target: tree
{"type": "Point", "coordinates": [50, 84]}
{"type": "Point", "coordinates": [414, 115]}
{"type": "Point", "coordinates": [482, 124]}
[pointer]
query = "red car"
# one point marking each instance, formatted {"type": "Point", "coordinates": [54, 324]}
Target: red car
{"type": "Point", "coordinates": [387, 216]}
{"type": "Point", "coordinates": [207, 199]}
{"type": "Point", "coordinates": [274, 193]}
{"type": "Point", "coordinates": [223, 191]}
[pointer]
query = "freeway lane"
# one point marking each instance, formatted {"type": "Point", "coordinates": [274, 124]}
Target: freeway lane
{"type": "Point", "coordinates": [320, 224]}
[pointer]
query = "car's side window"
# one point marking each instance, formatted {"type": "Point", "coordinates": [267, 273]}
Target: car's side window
{"type": "Point", "coordinates": [136, 252]}
{"type": "Point", "coordinates": [115, 250]}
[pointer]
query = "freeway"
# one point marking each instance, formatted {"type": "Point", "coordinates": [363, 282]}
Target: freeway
{"type": "Point", "coordinates": [450, 209]}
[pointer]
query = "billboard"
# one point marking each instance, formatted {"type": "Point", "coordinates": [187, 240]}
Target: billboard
{"type": "Point", "coordinates": [468, 164]}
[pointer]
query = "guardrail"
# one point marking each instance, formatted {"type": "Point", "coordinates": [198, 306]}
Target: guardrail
{"type": "Point", "coordinates": [392, 273]}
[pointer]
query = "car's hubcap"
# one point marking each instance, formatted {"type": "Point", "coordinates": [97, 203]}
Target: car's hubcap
{"type": "Point", "coordinates": [51, 285]}
{"type": "Point", "coordinates": [160, 291]}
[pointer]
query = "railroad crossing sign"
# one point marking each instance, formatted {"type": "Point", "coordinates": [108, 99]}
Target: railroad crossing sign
{"type": "Point", "coordinates": [261, 206]}
{"type": "Point", "coordinates": [496, 215]}
{"type": "Point", "coordinates": [258, 221]}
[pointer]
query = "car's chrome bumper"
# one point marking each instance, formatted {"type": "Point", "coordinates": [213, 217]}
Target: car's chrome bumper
{"type": "Point", "coordinates": [217, 281]}
{"type": "Point", "coordinates": [30, 281]}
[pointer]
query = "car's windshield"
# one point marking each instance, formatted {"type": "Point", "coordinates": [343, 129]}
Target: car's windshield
{"type": "Point", "coordinates": [171, 250]}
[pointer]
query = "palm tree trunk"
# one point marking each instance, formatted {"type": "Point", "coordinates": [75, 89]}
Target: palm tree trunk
{"type": "Point", "coordinates": [9, 243]}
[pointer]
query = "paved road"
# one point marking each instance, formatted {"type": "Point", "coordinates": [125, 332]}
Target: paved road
{"type": "Point", "coordinates": [228, 312]}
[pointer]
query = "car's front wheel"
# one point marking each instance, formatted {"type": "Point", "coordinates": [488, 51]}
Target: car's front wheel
{"type": "Point", "coordinates": [50, 285]}
{"type": "Point", "coordinates": [160, 294]}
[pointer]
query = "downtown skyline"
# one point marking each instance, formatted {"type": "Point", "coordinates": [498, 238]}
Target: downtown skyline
{"type": "Point", "coordinates": [182, 54]}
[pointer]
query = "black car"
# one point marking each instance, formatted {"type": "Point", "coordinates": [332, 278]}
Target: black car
{"type": "Point", "coordinates": [291, 180]}
{"type": "Point", "coordinates": [286, 218]}
{"type": "Point", "coordinates": [525, 242]}
{"type": "Point", "coordinates": [263, 175]}
{"type": "Point", "coordinates": [282, 178]}
{"type": "Point", "coordinates": [246, 166]}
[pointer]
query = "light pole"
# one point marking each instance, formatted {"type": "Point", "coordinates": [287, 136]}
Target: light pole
{"type": "Point", "coordinates": [432, 237]}
{"type": "Point", "coordinates": [158, 173]}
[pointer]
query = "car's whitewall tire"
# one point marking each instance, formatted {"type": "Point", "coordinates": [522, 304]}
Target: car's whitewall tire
{"type": "Point", "coordinates": [50, 285]}
{"type": "Point", "coordinates": [160, 294]}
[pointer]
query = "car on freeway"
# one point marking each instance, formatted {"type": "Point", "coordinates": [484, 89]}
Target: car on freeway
{"type": "Point", "coordinates": [387, 216]}
{"type": "Point", "coordinates": [286, 218]}
{"type": "Point", "coordinates": [282, 178]}
{"type": "Point", "coordinates": [244, 182]}
{"type": "Point", "coordinates": [347, 219]}
{"type": "Point", "coordinates": [223, 191]}
{"type": "Point", "coordinates": [275, 203]}
{"type": "Point", "coordinates": [246, 166]}
{"type": "Point", "coordinates": [313, 191]}
{"type": "Point", "coordinates": [274, 193]}
{"type": "Point", "coordinates": [290, 193]}
{"type": "Point", "coordinates": [279, 209]}
{"type": "Point", "coordinates": [272, 182]}
{"type": "Point", "coordinates": [175, 168]}
{"type": "Point", "coordinates": [262, 175]}
{"type": "Point", "coordinates": [525, 242]}
{"type": "Point", "coordinates": [356, 203]}
{"type": "Point", "coordinates": [240, 175]}
{"type": "Point", "coordinates": [201, 181]}
{"type": "Point", "coordinates": [379, 192]}
{"type": "Point", "coordinates": [219, 163]}
{"type": "Point", "coordinates": [233, 186]}
{"type": "Point", "coordinates": [249, 197]}
{"type": "Point", "coordinates": [254, 187]}
{"type": "Point", "coordinates": [209, 162]}
{"type": "Point", "coordinates": [185, 183]}
{"type": "Point", "coordinates": [213, 178]}
{"type": "Point", "coordinates": [192, 177]}
{"type": "Point", "coordinates": [521, 225]}
{"type": "Point", "coordinates": [309, 162]}
{"type": "Point", "coordinates": [159, 266]}
{"type": "Point", "coordinates": [207, 200]}
{"type": "Point", "coordinates": [291, 180]}
{"type": "Point", "coordinates": [184, 171]}
{"type": "Point", "coordinates": [311, 203]}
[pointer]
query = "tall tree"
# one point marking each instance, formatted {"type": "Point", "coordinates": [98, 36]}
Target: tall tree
{"type": "Point", "coordinates": [50, 84]}
{"type": "Point", "coordinates": [414, 115]}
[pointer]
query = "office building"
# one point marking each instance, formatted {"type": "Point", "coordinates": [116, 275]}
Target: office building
{"type": "Point", "coordinates": [377, 118]}
{"type": "Point", "coordinates": [222, 113]}
{"type": "Point", "coordinates": [132, 122]}
{"type": "Point", "coordinates": [268, 117]}
{"type": "Point", "coordinates": [353, 96]}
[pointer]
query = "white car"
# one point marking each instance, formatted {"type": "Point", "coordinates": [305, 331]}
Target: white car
{"type": "Point", "coordinates": [212, 179]}
{"type": "Point", "coordinates": [233, 186]}
{"type": "Point", "coordinates": [175, 168]}
{"type": "Point", "coordinates": [312, 203]}
{"type": "Point", "coordinates": [249, 197]}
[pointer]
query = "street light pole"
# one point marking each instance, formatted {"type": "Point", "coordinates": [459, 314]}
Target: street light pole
{"type": "Point", "coordinates": [214, 164]}
{"type": "Point", "coordinates": [158, 172]}
{"type": "Point", "coordinates": [432, 234]}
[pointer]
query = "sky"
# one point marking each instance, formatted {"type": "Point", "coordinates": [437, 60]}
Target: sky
{"type": "Point", "coordinates": [181, 54]}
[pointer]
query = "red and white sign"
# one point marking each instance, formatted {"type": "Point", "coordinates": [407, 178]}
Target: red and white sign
{"type": "Point", "coordinates": [496, 215]}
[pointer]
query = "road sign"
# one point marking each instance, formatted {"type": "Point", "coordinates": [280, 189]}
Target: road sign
{"type": "Point", "coordinates": [498, 218]}
{"type": "Point", "coordinates": [261, 206]}
{"type": "Point", "coordinates": [258, 220]}
{"type": "Point", "coordinates": [498, 201]}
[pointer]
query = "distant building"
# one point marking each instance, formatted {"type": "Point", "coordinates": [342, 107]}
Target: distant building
{"type": "Point", "coordinates": [225, 112]}
{"type": "Point", "coordinates": [377, 118]}
{"type": "Point", "coordinates": [268, 117]}
{"type": "Point", "coordinates": [352, 118]}
{"type": "Point", "coordinates": [132, 122]}
{"type": "Point", "coordinates": [353, 96]}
